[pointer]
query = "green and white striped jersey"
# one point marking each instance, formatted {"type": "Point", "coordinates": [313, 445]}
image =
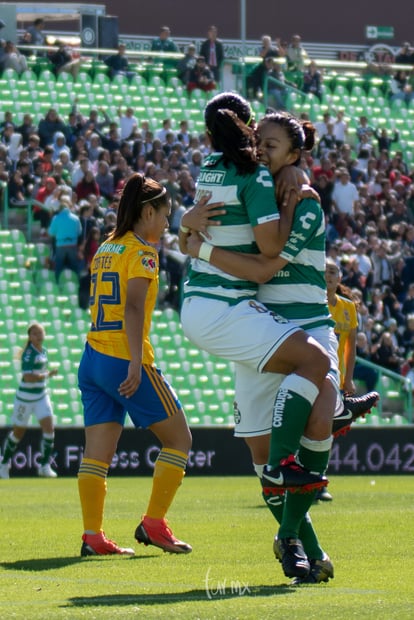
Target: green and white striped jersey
{"type": "Point", "coordinates": [32, 361]}
{"type": "Point", "coordinates": [249, 201]}
{"type": "Point", "coordinates": [298, 291]}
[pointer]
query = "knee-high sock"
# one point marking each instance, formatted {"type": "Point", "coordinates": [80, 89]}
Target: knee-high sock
{"type": "Point", "coordinates": [9, 448]}
{"type": "Point", "coordinates": [314, 455]}
{"type": "Point", "coordinates": [168, 475]}
{"type": "Point", "coordinates": [307, 534]}
{"type": "Point", "coordinates": [92, 491]}
{"type": "Point", "coordinates": [293, 405]}
{"type": "Point", "coordinates": [46, 447]}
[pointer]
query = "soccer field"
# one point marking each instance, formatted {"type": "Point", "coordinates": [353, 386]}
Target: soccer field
{"type": "Point", "coordinates": [367, 530]}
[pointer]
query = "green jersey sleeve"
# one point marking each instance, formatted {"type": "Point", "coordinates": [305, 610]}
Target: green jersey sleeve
{"type": "Point", "coordinates": [308, 224]}
{"type": "Point", "coordinates": [258, 195]}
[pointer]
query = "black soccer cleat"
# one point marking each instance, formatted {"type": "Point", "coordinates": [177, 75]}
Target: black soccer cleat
{"type": "Point", "coordinates": [292, 556]}
{"type": "Point", "coordinates": [354, 407]}
{"type": "Point", "coordinates": [291, 476]}
{"type": "Point", "coordinates": [320, 570]}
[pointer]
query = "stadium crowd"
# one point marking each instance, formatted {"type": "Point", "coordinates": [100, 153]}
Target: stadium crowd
{"type": "Point", "coordinates": [81, 164]}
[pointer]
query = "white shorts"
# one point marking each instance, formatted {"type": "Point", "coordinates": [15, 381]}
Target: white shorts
{"type": "Point", "coordinates": [247, 333]}
{"type": "Point", "coordinates": [23, 410]}
{"type": "Point", "coordinates": [255, 393]}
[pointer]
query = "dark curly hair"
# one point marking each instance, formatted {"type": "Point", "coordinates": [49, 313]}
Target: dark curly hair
{"type": "Point", "coordinates": [228, 119]}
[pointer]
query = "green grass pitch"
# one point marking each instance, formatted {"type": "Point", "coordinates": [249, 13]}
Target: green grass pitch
{"type": "Point", "coordinates": [368, 530]}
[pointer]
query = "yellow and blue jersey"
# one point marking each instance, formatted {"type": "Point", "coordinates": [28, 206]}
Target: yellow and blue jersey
{"type": "Point", "coordinates": [113, 265]}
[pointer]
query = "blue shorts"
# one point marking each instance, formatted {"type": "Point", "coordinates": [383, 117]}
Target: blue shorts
{"type": "Point", "coordinates": [99, 378]}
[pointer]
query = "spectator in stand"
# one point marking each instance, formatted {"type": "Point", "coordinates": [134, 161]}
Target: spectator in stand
{"type": "Point", "coordinates": [91, 245]}
{"type": "Point", "coordinates": [14, 148]}
{"type": "Point", "coordinates": [407, 338]}
{"type": "Point", "coordinates": [27, 177]}
{"type": "Point", "coordinates": [363, 128]}
{"type": "Point", "coordinates": [66, 230]}
{"type": "Point", "coordinates": [408, 303]}
{"type": "Point", "coordinates": [164, 43]}
{"type": "Point", "coordinates": [59, 145]}
{"type": "Point", "coordinates": [161, 134]}
{"type": "Point", "coordinates": [340, 128]}
{"type": "Point", "coordinates": [105, 180]}
{"type": "Point", "coordinates": [118, 63]}
{"type": "Point", "coordinates": [201, 77]}
{"type": "Point", "coordinates": [26, 129]}
{"type": "Point", "coordinates": [387, 354]}
{"type": "Point", "coordinates": [325, 167]}
{"type": "Point", "coordinates": [87, 185]}
{"type": "Point", "coordinates": [63, 60]}
{"type": "Point", "coordinates": [363, 373]}
{"type": "Point", "coordinates": [40, 213]}
{"type": "Point", "coordinates": [384, 140]}
{"type": "Point", "coordinates": [195, 164]}
{"type": "Point", "coordinates": [121, 173]}
{"type": "Point", "coordinates": [92, 122]}
{"type": "Point", "coordinates": [276, 91]}
{"type": "Point", "coordinates": [297, 59]}
{"type": "Point", "coordinates": [183, 135]}
{"type": "Point", "coordinates": [399, 87]}
{"type": "Point", "coordinates": [364, 263]}
{"type": "Point", "coordinates": [213, 51]}
{"type": "Point", "coordinates": [110, 140]}
{"type": "Point", "coordinates": [95, 148]}
{"type": "Point", "coordinates": [405, 55]}
{"type": "Point", "coordinates": [312, 80]}
{"type": "Point", "coordinates": [327, 142]}
{"type": "Point", "coordinates": [392, 306]}
{"type": "Point", "coordinates": [13, 59]}
{"type": "Point", "coordinates": [35, 36]}
{"type": "Point", "coordinates": [255, 79]}
{"type": "Point", "coordinates": [79, 170]}
{"type": "Point", "coordinates": [16, 191]}
{"type": "Point", "coordinates": [322, 126]}
{"type": "Point", "coordinates": [186, 64]}
{"type": "Point", "coordinates": [324, 187]}
{"type": "Point", "coordinates": [48, 126]}
{"type": "Point", "coordinates": [382, 265]}
{"type": "Point", "coordinates": [344, 199]}
{"type": "Point", "coordinates": [128, 123]}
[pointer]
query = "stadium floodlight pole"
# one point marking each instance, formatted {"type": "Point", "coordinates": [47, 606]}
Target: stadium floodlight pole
{"type": "Point", "coordinates": [243, 43]}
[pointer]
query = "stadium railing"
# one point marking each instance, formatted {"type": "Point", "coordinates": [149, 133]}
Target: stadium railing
{"type": "Point", "coordinates": [396, 391]}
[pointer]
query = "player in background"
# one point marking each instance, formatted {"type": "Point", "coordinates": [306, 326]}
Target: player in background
{"type": "Point", "coordinates": [32, 398]}
{"type": "Point", "coordinates": [117, 373]}
{"type": "Point", "coordinates": [343, 311]}
{"type": "Point", "coordinates": [221, 314]}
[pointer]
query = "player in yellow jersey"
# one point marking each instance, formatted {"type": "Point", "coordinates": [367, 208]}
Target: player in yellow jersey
{"type": "Point", "coordinates": [117, 372]}
{"type": "Point", "coordinates": [344, 313]}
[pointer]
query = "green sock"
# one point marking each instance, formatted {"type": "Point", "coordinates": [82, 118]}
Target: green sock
{"type": "Point", "coordinates": [9, 448]}
{"type": "Point", "coordinates": [307, 534]}
{"type": "Point", "coordinates": [314, 455]}
{"type": "Point", "coordinates": [293, 405]}
{"type": "Point", "coordinates": [46, 447]}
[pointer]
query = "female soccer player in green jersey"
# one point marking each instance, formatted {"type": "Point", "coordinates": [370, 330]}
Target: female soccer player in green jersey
{"type": "Point", "coordinates": [292, 285]}
{"type": "Point", "coordinates": [221, 313]}
{"type": "Point", "coordinates": [32, 398]}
